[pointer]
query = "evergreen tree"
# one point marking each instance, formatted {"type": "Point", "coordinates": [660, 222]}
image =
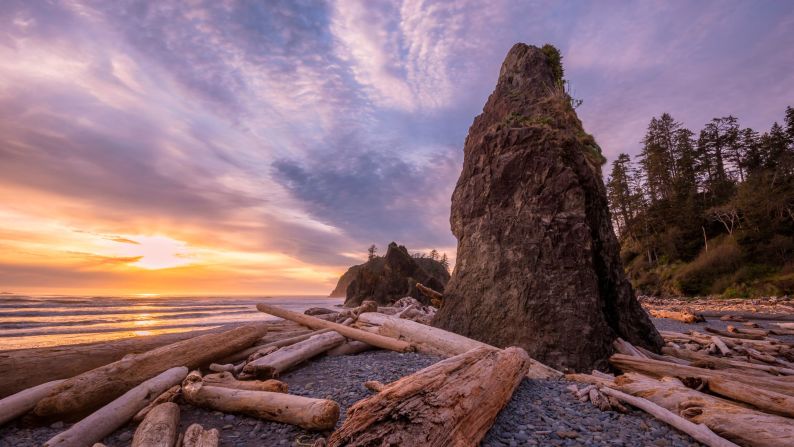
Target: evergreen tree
{"type": "Point", "coordinates": [434, 254]}
{"type": "Point", "coordinates": [444, 261]}
{"type": "Point", "coordinates": [619, 192]}
{"type": "Point", "coordinates": [371, 252]}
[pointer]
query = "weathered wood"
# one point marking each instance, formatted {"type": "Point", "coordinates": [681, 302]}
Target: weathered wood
{"type": "Point", "coordinates": [712, 362]}
{"type": "Point", "coordinates": [724, 349]}
{"type": "Point", "coordinates": [26, 368]}
{"type": "Point", "coordinates": [90, 390]}
{"type": "Point", "coordinates": [733, 335]}
{"type": "Point", "coordinates": [661, 369]}
{"type": "Point", "coordinates": [227, 380]}
{"type": "Point", "coordinates": [118, 412]}
{"type": "Point", "coordinates": [350, 348]}
{"type": "Point", "coordinates": [736, 423]}
{"type": "Point", "coordinates": [624, 347]}
{"type": "Point", "coordinates": [453, 402]}
{"type": "Point", "coordinates": [160, 428]}
{"type": "Point", "coordinates": [20, 403]}
{"type": "Point", "coordinates": [437, 341]}
{"type": "Point", "coordinates": [305, 412]}
{"type": "Point", "coordinates": [196, 436]}
{"type": "Point", "coordinates": [349, 332]}
{"type": "Point", "coordinates": [275, 363]}
{"type": "Point", "coordinates": [765, 400]}
{"type": "Point", "coordinates": [168, 396]}
{"type": "Point", "coordinates": [747, 315]}
{"type": "Point", "coordinates": [684, 316]}
{"type": "Point", "coordinates": [699, 432]}
{"type": "Point", "coordinates": [374, 385]}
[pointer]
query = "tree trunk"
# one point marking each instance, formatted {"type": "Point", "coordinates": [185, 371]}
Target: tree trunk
{"type": "Point", "coordinates": [227, 380]}
{"type": "Point", "coordinates": [275, 363]}
{"type": "Point", "coordinates": [117, 413]}
{"type": "Point", "coordinates": [349, 332]}
{"type": "Point", "coordinates": [90, 390]}
{"type": "Point", "coordinates": [453, 402]}
{"type": "Point", "coordinates": [538, 264]}
{"type": "Point", "coordinates": [20, 403]}
{"type": "Point", "coordinates": [160, 428]}
{"type": "Point", "coordinates": [196, 436]}
{"type": "Point", "coordinates": [739, 424]}
{"type": "Point", "coordinates": [437, 341]}
{"type": "Point", "coordinates": [305, 412]}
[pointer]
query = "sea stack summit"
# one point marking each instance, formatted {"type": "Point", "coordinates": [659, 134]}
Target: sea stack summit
{"type": "Point", "coordinates": [538, 263]}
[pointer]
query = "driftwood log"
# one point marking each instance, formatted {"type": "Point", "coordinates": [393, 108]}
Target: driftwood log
{"type": "Point", "coordinates": [350, 348]}
{"type": "Point", "coordinates": [453, 402]}
{"type": "Point", "coordinates": [196, 436]}
{"type": "Point", "coordinates": [245, 353]}
{"type": "Point", "coordinates": [168, 396]}
{"type": "Point", "coordinates": [227, 380]}
{"type": "Point", "coordinates": [160, 428]}
{"type": "Point", "coordinates": [275, 363]}
{"type": "Point", "coordinates": [682, 316]}
{"type": "Point", "coordinates": [440, 342]}
{"type": "Point", "coordinates": [90, 390]}
{"type": "Point", "coordinates": [349, 332]}
{"type": "Point", "coordinates": [765, 400]}
{"type": "Point", "coordinates": [713, 362]}
{"type": "Point", "coordinates": [117, 413]}
{"type": "Point", "coordinates": [739, 424]}
{"type": "Point", "coordinates": [20, 403]}
{"type": "Point", "coordinates": [305, 412]}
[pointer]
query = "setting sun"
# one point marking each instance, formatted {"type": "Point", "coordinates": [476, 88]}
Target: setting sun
{"type": "Point", "coordinates": [154, 252]}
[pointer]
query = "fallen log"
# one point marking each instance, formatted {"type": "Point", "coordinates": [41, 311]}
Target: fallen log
{"type": "Point", "coordinates": [712, 362]}
{"type": "Point", "coordinates": [20, 403]}
{"type": "Point", "coordinates": [90, 390]}
{"type": "Point", "coordinates": [453, 402]}
{"type": "Point", "coordinates": [765, 400]}
{"type": "Point", "coordinates": [656, 368]}
{"type": "Point", "coordinates": [437, 341]}
{"type": "Point", "coordinates": [168, 396]}
{"type": "Point", "coordinates": [699, 432]}
{"type": "Point", "coordinates": [314, 311]}
{"type": "Point", "coordinates": [227, 380]}
{"type": "Point", "coordinates": [733, 334]}
{"type": "Point", "coordinates": [305, 412]}
{"type": "Point", "coordinates": [160, 428]}
{"type": "Point", "coordinates": [196, 436]}
{"type": "Point", "coordinates": [118, 412]}
{"type": "Point", "coordinates": [275, 363]}
{"type": "Point", "coordinates": [736, 423]}
{"type": "Point", "coordinates": [349, 332]}
{"type": "Point", "coordinates": [748, 315]}
{"type": "Point", "coordinates": [350, 348]}
{"type": "Point", "coordinates": [682, 316]}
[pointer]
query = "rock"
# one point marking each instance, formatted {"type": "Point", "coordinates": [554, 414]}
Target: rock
{"type": "Point", "coordinates": [344, 281]}
{"type": "Point", "coordinates": [57, 425]}
{"type": "Point", "coordinates": [393, 276]}
{"type": "Point", "coordinates": [125, 436]}
{"type": "Point", "coordinates": [538, 263]}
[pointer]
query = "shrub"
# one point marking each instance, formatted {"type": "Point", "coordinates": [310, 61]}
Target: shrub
{"type": "Point", "coordinates": [722, 259]}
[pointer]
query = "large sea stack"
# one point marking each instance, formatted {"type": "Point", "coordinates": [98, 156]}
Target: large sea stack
{"type": "Point", "coordinates": [538, 262]}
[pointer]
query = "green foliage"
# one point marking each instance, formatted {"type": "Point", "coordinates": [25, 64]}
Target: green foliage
{"type": "Point", "coordinates": [554, 57]}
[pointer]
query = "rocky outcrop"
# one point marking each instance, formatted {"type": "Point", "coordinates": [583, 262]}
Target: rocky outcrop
{"type": "Point", "coordinates": [341, 286]}
{"type": "Point", "coordinates": [387, 279]}
{"type": "Point", "coordinates": [538, 263]}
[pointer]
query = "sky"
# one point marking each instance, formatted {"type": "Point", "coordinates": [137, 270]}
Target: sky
{"type": "Point", "coordinates": [232, 147]}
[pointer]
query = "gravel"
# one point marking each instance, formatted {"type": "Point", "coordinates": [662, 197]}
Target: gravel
{"type": "Point", "coordinates": [540, 412]}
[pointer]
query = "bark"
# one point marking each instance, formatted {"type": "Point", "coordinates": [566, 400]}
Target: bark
{"type": "Point", "coordinates": [196, 436]}
{"type": "Point", "coordinates": [20, 403]}
{"type": "Point", "coordinates": [168, 396]}
{"type": "Point", "coordinates": [437, 341]}
{"type": "Point", "coordinates": [349, 332]}
{"type": "Point", "coordinates": [160, 428]}
{"type": "Point", "coordinates": [90, 390]}
{"type": "Point", "coordinates": [227, 380]}
{"type": "Point", "coordinates": [118, 412]}
{"type": "Point", "coordinates": [767, 401]}
{"type": "Point", "coordinates": [305, 412]}
{"type": "Point", "coordinates": [275, 363]}
{"type": "Point", "coordinates": [453, 402]}
{"type": "Point", "coordinates": [741, 425]}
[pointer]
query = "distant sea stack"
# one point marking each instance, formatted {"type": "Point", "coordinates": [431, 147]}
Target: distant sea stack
{"type": "Point", "coordinates": [388, 278]}
{"type": "Point", "coordinates": [341, 286]}
{"type": "Point", "coordinates": [538, 263]}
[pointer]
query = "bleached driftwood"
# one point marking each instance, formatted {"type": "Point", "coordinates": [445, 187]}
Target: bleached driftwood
{"type": "Point", "coordinates": [699, 432]}
{"type": "Point", "coordinates": [765, 400]}
{"type": "Point", "coordinates": [118, 412]}
{"type": "Point", "coordinates": [725, 363]}
{"type": "Point", "coordinates": [453, 402]}
{"type": "Point", "coordinates": [349, 332]}
{"type": "Point", "coordinates": [682, 316]}
{"type": "Point", "coordinates": [196, 436]}
{"type": "Point", "coordinates": [168, 396]}
{"type": "Point", "coordinates": [440, 342]}
{"type": "Point", "coordinates": [305, 412]}
{"type": "Point", "coordinates": [350, 348]}
{"type": "Point", "coordinates": [20, 403]}
{"type": "Point", "coordinates": [160, 428]}
{"type": "Point", "coordinates": [624, 347]}
{"type": "Point", "coordinates": [246, 353]}
{"type": "Point", "coordinates": [736, 423]}
{"type": "Point", "coordinates": [275, 363]}
{"type": "Point", "coordinates": [92, 389]}
{"type": "Point", "coordinates": [227, 380]}
{"type": "Point", "coordinates": [374, 385]}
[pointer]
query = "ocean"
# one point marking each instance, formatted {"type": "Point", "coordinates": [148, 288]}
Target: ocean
{"type": "Point", "coordinates": [39, 321]}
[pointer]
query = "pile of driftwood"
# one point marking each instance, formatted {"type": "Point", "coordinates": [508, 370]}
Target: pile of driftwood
{"type": "Point", "coordinates": [695, 310]}
{"type": "Point", "coordinates": [722, 387]}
